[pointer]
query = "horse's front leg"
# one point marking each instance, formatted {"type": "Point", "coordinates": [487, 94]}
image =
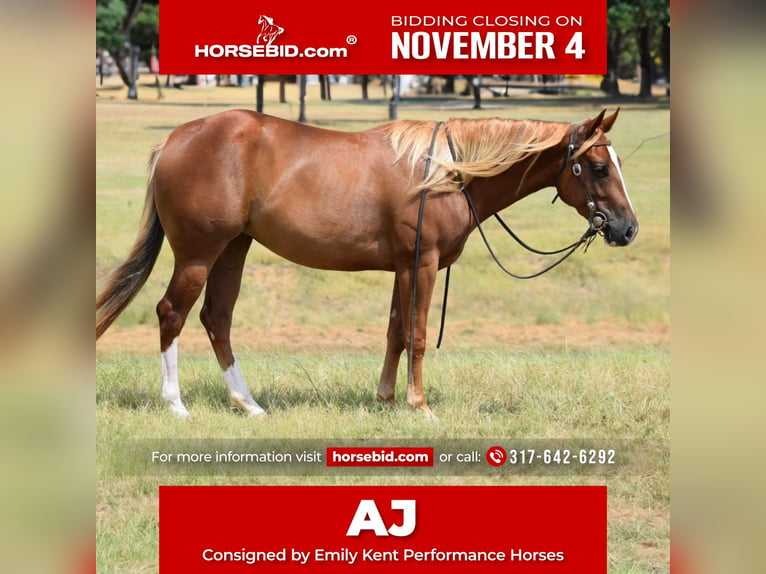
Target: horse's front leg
{"type": "Point", "coordinates": [415, 342]}
{"type": "Point", "coordinates": [394, 348]}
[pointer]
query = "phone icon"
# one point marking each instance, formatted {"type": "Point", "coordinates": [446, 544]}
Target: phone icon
{"type": "Point", "coordinates": [496, 456]}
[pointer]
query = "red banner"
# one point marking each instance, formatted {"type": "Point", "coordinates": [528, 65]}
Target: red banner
{"type": "Point", "coordinates": [427, 37]}
{"type": "Point", "coordinates": [459, 529]}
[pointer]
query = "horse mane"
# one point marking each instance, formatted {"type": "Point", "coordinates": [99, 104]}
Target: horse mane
{"type": "Point", "coordinates": [484, 147]}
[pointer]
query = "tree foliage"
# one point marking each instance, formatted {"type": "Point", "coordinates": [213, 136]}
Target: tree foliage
{"type": "Point", "coordinates": [110, 15]}
{"type": "Point", "coordinates": [120, 23]}
{"type": "Point", "coordinates": [145, 30]}
{"type": "Point", "coordinates": [635, 39]}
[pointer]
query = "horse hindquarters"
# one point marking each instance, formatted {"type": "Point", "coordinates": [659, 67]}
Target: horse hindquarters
{"type": "Point", "coordinates": [202, 204]}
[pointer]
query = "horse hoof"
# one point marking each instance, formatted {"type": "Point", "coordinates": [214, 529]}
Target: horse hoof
{"type": "Point", "coordinates": [179, 411]}
{"type": "Point", "coordinates": [247, 406]}
{"type": "Point", "coordinates": [429, 415]}
{"type": "Point", "coordinates": [387, 400]}
{"type": "Point", "coordinates": [425, 409]}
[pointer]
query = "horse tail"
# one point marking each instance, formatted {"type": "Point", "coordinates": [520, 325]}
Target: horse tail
{"type": "Point", "coordinates": [122, 284]}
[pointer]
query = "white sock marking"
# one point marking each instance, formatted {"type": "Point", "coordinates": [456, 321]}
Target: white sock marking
{"type": "Point", "coordinates": [171, 391]}
{"type": "Point", "coordinates": [239, 393]}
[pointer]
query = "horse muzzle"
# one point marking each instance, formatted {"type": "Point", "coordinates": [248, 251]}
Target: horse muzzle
{"type": "Point", "coordinates": [620, 232]}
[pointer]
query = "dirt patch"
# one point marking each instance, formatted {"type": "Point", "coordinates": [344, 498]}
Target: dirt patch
{"type": "Point", "coordinates": [145, 339]}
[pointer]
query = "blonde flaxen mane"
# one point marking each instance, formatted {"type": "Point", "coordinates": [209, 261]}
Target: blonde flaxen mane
{"type": "Point", "coordinates": [484, 147]}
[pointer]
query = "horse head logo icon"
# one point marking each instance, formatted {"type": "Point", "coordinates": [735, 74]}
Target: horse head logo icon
{"type": "Point", "coordinates": [269, 30]}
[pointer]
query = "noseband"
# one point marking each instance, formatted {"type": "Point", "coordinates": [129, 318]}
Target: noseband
{"type": "Point", "coordinates": [596, 220]}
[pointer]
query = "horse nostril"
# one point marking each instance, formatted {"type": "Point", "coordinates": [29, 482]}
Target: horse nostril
{"type": "Point", "coordinates": [630, 232]}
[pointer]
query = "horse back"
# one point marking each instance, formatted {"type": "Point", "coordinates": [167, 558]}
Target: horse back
{"type": "Point", "coordinates": [319, 197]}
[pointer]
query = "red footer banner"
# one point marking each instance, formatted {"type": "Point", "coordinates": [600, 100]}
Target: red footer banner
{"type": "Point", "coordinates": [402, 37]}
{"type": "Point", "coordinates": [383, 529]}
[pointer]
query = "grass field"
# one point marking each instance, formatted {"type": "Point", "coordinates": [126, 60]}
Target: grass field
{"type": "Point", "coordinates": [582, 352]}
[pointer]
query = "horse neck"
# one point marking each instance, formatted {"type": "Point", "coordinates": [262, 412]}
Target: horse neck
{"type": "Point", "coordinates": [494, 194]}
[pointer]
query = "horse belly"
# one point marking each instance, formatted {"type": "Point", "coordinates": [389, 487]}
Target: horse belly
{"type": "Point", "coordinates": [323, 239]}
{"type": "Point", "coordinates": [327, 253]}
{"type": "Point", "coordinates": [326, 199]}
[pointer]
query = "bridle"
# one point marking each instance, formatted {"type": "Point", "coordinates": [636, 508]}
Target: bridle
{"type": "Point", "coordinates": [597, 221]}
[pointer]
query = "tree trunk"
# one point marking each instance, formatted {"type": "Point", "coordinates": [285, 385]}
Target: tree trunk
{"type": "Point", "coordinates": [302, 98]}
{"type": "Point", "coordinates": [134, 7]}
{"type": "Point", "coordinates": [393, 105]}
{"type": "Point", "coordinates": [476, 87]}
{"type": "Point", "coordinates": [259, 93]}
{"type": "Point", "coordinates": [324, 87]}
{"type": "Point", "coordinates": [610, 83]}
{"type": "Point", "coordinates": [665, 56]}
{"type": "Point", "coordinates": [119, 61]}
{"type": "Point", "coordinates": [645, 46]}
{"type": "Point", "coordinates": [365, 82]}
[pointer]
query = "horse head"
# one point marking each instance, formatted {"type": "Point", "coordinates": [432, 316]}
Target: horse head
{"type": "Point", "coordinates": [591, 181]}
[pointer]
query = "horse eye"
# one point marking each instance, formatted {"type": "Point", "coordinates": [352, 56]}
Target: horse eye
{"type": "Point", "coordinates": [600, 170]}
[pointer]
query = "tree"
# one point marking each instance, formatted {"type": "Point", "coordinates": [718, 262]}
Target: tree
{"type": "Point", "coordinates": [665, 53]}
{"type": "Point", "coordinates": [110, 15]}
{"type": "Point", "coordinates": [635, 36]}
{"type": "Point", "coordinates": [144, 32]}
{"type": "Point", "coordinates": [620, 18]}
{"type": "Point", "coordinates": [651, 15]}
{"type": "Point", "coordinates": [114, 22]}
{"type": "Point", "coordinates": [302, 98]}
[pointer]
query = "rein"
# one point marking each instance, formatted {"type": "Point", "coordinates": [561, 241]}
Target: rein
{"type": "Point", "coordinates": [418, 234]}
{"type": "Point", "coordinates": [596, 219]}
{"type": "Point", "coordinates": [596, 223]}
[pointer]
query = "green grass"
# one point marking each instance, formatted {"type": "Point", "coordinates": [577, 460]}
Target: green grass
{"type": "Point", "coordinates": [602, 394]}
{"type": "Point", "coordinates": [543, 394]}
{"type": "Point", "coordinates": [311, 343]}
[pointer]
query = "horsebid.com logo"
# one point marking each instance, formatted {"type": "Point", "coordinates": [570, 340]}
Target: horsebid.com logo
{"type": "Point", "coordinates": [269, 30]}
{"type": "Point", "coordinates": [264, 46]}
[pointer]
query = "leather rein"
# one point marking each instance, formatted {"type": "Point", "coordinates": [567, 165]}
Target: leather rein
{"type": "Point", "coordinates": [596, 223]}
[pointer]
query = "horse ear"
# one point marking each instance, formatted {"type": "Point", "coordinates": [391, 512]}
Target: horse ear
{"type": "Point", "coordinates": [608, 122]}
{"type": "Point", "coordinates": [591, 125]}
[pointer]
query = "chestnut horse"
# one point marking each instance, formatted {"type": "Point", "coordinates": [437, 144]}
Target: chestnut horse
{"type": "Point", "coordinates": [349, 202]}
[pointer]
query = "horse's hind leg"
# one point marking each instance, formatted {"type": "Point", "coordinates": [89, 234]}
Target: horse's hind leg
{"type": "Point", "coordinates": [172, 310]}
{"type": "Point", "coordinates": [220, 295]}
{"type": "Point", "coordinates": [394, 348]}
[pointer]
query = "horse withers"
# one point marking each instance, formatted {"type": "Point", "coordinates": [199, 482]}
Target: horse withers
{"type": "Point", "coordinates": [346, 201]}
